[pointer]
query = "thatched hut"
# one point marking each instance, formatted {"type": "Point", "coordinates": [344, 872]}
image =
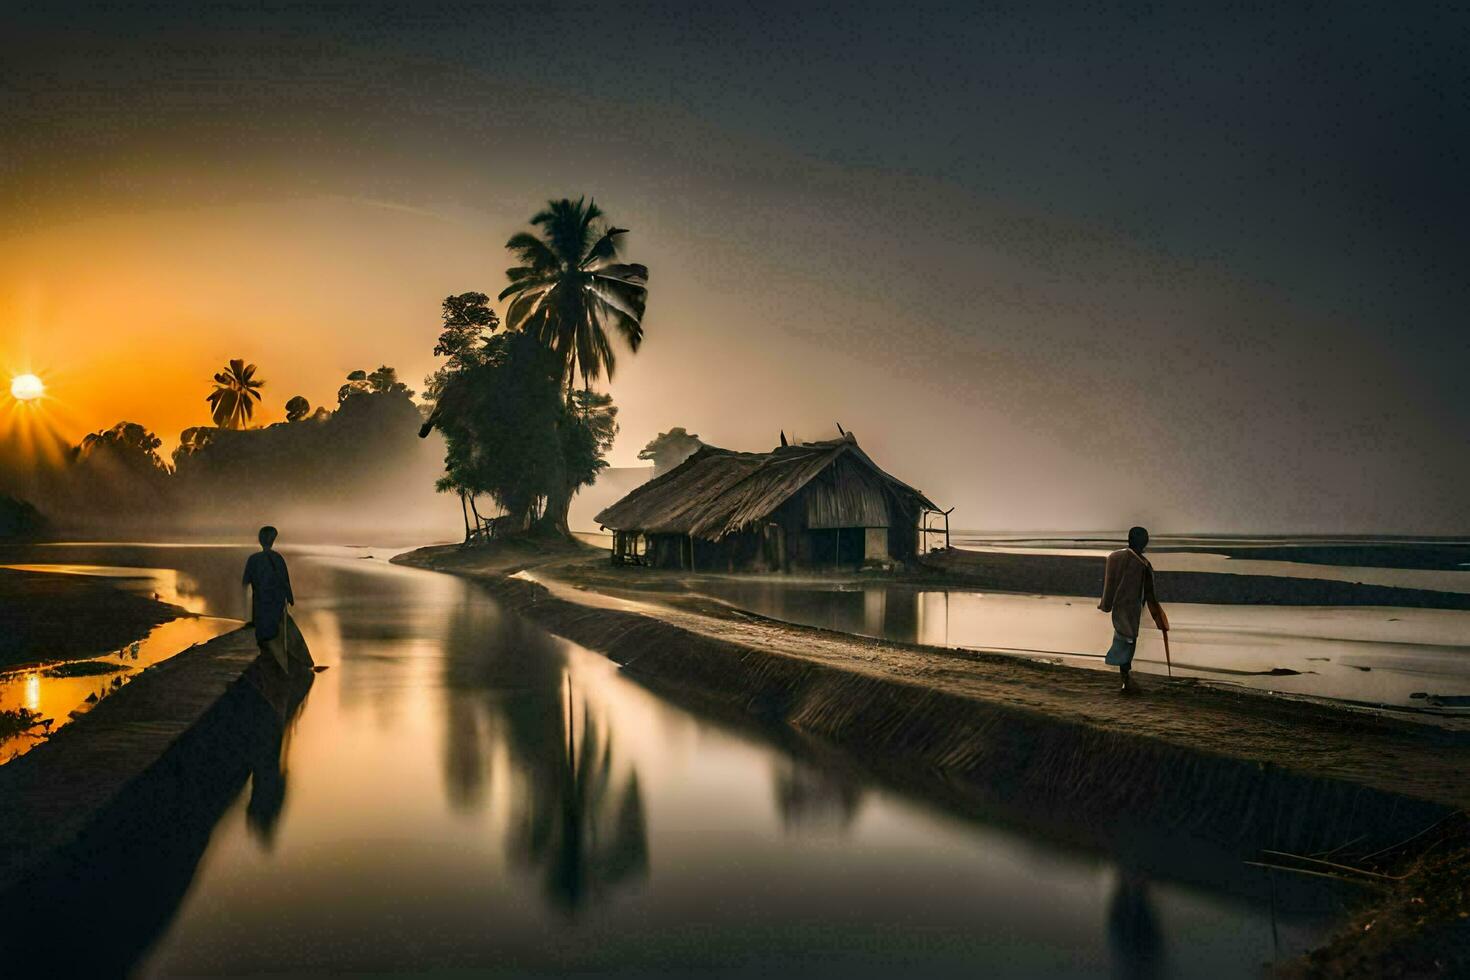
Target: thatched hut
{"type": "Point", "coordinates": [818, 505]}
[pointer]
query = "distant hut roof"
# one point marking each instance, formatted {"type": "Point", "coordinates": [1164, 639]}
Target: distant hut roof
{"type": "Point", "coordinates": [717, 491]}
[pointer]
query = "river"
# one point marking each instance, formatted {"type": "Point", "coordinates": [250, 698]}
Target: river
{"type": "Point", "coordinates": [465, 792]}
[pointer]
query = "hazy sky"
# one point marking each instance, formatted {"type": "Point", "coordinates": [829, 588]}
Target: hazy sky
{"type": "Point", "coordinates": [1202, 268]}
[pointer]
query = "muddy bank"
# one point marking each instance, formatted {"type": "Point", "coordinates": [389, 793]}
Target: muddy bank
{"type": "Point", "coordinates": [1186, 783]}
{"type": "Point", "coordinates": [46, 616]}
{"type": "Point", "coordinates": [955, 708]}
{"type": "Point", "coordinates": [1418, 927]}
{"type": "Point", "coordinates": [1082, 575]}
{"type": "Point", "coordinates": [105, 822]}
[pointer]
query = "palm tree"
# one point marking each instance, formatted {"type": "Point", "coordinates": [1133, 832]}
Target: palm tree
{"type": "Point", "coordinates": [235, 393]}
{"type": "Point", "coordinates": [570, 290]}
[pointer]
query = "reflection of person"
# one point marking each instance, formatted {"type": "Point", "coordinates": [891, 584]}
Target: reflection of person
{"type": "Point", "coordinates": [267, 787]}
{"type": "Point", "coordinates": [1133, 930]}
{"type": "Point", "coordinates": [1128, 583]}
{"type": "Point", "coordinates": [270, 590]}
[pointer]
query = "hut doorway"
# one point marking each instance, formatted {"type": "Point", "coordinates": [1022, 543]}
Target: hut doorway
{"type": "Point", "coordinates": [837, 547]}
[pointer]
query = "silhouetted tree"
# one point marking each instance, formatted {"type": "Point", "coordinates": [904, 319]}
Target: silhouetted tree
{"type": "Point", "coordinates": [467, 321]}
{"type": "Point", "coordinates": [193, 439]}
{"type": "Point", "coordinates": [365, 447]}
{"type": "Point", "coordinates": [587, 430]}
{"type": "Point", "coordinates": [668, 449]}
{"type": "Point", "coordinates": [380, 382]}
{"type": "Point", "coordinates": [235, 393]}
{"type": "Point", "coordinates": [128, 441]}
{"type": "Point", "coordinates": [509, 433]}
{"type": "Point", "coordinates": [569, 292]}
{"type": "Point", "coordinates": [570, 289]}
{"type": "Point", "coordinates": [297, 408]}
{"type": "Point", "coordinates": [116, 471]}
{"type": "Point", "coordinates": [499, 416]}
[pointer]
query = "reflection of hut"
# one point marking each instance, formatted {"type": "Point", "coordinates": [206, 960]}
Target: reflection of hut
{"type": "Point", "coordinates": [818, 505]}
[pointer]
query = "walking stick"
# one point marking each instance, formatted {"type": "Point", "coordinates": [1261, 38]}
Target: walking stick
{"type": "Point", "coordinates": [1168, 659]}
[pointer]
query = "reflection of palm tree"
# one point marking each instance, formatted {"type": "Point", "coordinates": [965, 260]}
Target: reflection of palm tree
{"type": "Point", "coordinates": [813, 798]}
{"type": "Point", "coordinates": [578, 821]}
{"type": "Point", "coordinates": [570, 289]}
{"type": "Point", "coordinates": [235, 393]}
{"type": "Point", "coordinates": [583, 827]}
{"type": "Point", "coordinates": [596, 836]}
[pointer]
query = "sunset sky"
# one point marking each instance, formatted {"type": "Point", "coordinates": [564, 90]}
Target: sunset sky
{"type": "Point", "coordinates": [1199, 269]}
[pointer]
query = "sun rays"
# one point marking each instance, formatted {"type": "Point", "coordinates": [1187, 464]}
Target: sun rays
{"type": "Point", "coordinates": [32, 420]}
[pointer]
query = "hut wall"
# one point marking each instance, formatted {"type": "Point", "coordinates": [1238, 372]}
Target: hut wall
{"type": "Point", "coordinates": [903, 533]}
{"type": "Point", "coordinates": [738, 552]}
{"type": "Point", "coordinates": [846, 494]}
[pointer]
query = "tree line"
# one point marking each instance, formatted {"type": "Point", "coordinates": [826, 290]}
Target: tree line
{"type": "Point", "coordinates": [514, 399]}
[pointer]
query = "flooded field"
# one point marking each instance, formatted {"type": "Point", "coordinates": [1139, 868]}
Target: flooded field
{"type": "Point", "coordinates": [462, 791]}
{"type": "Point", "coordinates": [1404, 658]}
{"type": "Point", "coordinates": [62, 690]}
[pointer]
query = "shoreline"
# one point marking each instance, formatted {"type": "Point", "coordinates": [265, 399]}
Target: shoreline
{"type": "Point", "coordinates": [1222, 776]}
{"type": "Point", "coordinates": [694, 642]}
{"type": "Point", "coordinates": [1081, 575]}
{"type": "Point", "coordinates": [109, 817]}
{"type": "Point", "coordinates": [49, 616]}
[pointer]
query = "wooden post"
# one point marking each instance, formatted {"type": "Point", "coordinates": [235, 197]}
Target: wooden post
{"type": "Point", "coordinates": [691, 552]}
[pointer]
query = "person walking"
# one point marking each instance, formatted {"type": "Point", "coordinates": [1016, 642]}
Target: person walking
{"type": "Point", "coordinates": [1128, 585]}
{"type": "Point", "coordinates": [270, 590]}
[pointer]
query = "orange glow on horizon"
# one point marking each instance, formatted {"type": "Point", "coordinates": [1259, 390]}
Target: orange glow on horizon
{"type": "Point", "coordinates": [128, 316]}
{"type": "Point", "coordinates": [35, 426]}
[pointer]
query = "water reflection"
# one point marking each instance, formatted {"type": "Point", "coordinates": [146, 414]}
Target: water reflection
{"type": "Point", "coordinates": [579, 822]}
{"type": "Point", "coordinates": [1133, 929]}
{"type": "Point", "coordinates": [97, 905]}
{"type": "Point", "coordinates": [577, 816]}
{"type": "Point", "coordinates": [1357, 653]}
{"type": "Point", "coordinates": [268, 781]}
{"type": "Point", "coordinates": [468, 793]}
{"type": "Point", "coordinates": [62, 691]}
{"type": "Point", "coordinates": [812, 799]}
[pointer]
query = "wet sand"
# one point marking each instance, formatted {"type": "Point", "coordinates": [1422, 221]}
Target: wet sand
{"type": "Point", "coordinates": [71, 617]}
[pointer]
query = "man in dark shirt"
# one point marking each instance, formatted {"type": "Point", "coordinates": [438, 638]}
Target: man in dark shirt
{"type": "Point", "coordinates": [270, 589]}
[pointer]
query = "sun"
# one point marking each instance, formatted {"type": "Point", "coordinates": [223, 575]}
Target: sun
{"type": "Point", "coordinates": [26, 387]}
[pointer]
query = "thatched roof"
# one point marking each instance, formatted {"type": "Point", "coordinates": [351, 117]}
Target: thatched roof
{"type": "Point", "coordinates": [716, 491]}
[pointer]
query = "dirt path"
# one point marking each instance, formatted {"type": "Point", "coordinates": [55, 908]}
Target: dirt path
{"type": "Point", "coordinates": [1428, 762]}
